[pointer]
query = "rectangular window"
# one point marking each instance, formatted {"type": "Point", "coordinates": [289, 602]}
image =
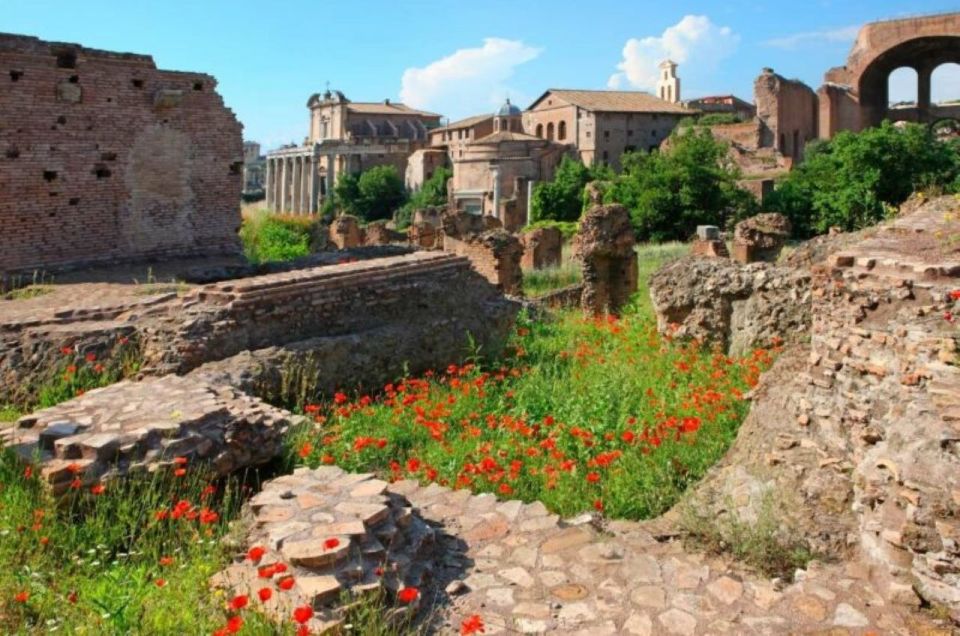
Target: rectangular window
{"type": "Point", "coordinates": [606, 134]}
{"type": "Point", "coordinates": [588, 134]}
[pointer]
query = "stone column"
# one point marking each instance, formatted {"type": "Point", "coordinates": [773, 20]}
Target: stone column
{"type": "Point", "coordinates": [314, 184]}
{"type": "Point", "coordinates": [329, 175]}
{"type": "Point", "coordinates": [304, 185]}
{"type": "Point", "coordinates": [266, 182]}
{"type": "Point", "coordinates": [923, 93]}
{"type": "Point", "coordinates": [283, 186]}
{"type": "Point", "coordinates": [496, 191]}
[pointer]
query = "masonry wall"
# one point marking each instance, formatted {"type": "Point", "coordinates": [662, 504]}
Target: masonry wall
{"type": "Point", "coordinates": [104, 157]}
{"type": "Point", "coordinates": [789, 113]}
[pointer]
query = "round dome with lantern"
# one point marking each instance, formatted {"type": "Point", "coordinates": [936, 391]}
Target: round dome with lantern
{"type": "Point", "coordinates": [508, 118]}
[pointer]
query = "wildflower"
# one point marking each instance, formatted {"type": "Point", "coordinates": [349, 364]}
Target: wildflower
{"type": "Point", "coordinates": [166, 560]}
{"type": "Point", "coordinates": [266, 571]}
{"type": "Point", "coordinates": [408, 595]}
{"type": "Point", "coordinates": [239, 601]}
{"type": "Point", "coordinates": [98, 489]}
{"type": "Point", "coordinates": [505, 489]}
{"type": "Point", "coordinates": [76, 484]}
{"type": "Point", "coordinates": [303, 630]}
{"type": "Point", "coordinates": [180, 472]}
{"type": "Point", "coordinates": [593, 477]}
{"type": "Point", "coordinates": [598, 505]}
{"type": "Point", "coordinates": [180, 461]}
{"type": "Point", "coordinates": [72, 597]}
{"type": "Point", "coordinates": [208, 516]}
{"type": "Point", "coordinates": [256, 553]}
{"type": "Point", "coordinates": [264, 594]}
{"type": "Point", "coordinates": [66, 351]}
{"type": "Point", "coordinates": [339, 398]}
{"type": "Point", "coordinates": [286, 583]}
{"type": "Point", "coordinates": [948, 316]}
{"type": "Point", "coordinates": [305, 450]}
{"type": "Point", "coordinates": [472, 625]}
{"type": "Point", "coordinates": [159, 515]}
{"type": "Point", "coordinates": [331, 543]}
{"type": "Point", "coordinates": [378, 571]}
{"type": "Point", "coordinates": [234, 624]}
{"type": "Point", "coordinates": [90, 357]}
{"type": "Point", "coordinates": [27, 472]}
{"type": "Point", "coordinates": [75, 468]}
{"type": "Point", "coordinates": [22, 597]}
{"type": "Point", "coordinates": [955, 294]}
{"type": "Point", "coordinates": [160, 582]}
{"type": "Point", "coordinates": [302, 614]}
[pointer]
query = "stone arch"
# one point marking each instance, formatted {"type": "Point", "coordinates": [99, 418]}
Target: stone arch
{"type": "Point", "coordinates": [539, 130]}
{"type": "Point", "coordinates": [945, 83]}
{"type": "Point", "coordinates": [550, 131]}
{"type": "Point", "coordinates": [902, 84]}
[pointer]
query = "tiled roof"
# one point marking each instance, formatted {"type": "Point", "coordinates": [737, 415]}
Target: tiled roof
{"type": "Point", "coordinates": [382, 108]}
{"type": "Point", "coordinates": [506, 135]}
{"type": "Point", "coordinates": [464, 123]}
{"type": "Point", "coordinates": [615, 101]}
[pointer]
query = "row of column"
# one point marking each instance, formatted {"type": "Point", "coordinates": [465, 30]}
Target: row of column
{"type": "Point", "coordinates": [292, 184]}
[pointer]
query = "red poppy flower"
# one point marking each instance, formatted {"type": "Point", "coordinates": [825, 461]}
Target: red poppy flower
{"type": "Point", "coordinates": [303, 630]}
{"type": "Point", "coordinates": [286, 583]}
{"type": "Point", "coordinates": [302, 614]}
{"type": "Point", "coordinates": [97, 489]}
{"type": "Point", "coordinates": [331, 543]}
{"type": "Point", "coordinates": [221, 632]}
{"type": "Point", "coordinates": [22, 597]}
{"type": "Point", "coordinates": [208, 516]}
{"type": "Point", "coordinates": [180, 461]}
{"type": "Point", "coordinates": [305, 450]}
{"type": "Point", "coordinates": [239, 601]}
{"type": "Point", "coordinates": [598, 505]}
{"type": "Point", "coordinates": [264, 593]}
{"type": "Point", "coordinates": [955, 294]}
{"type": "Point", "coordinates": [593, 477]}
{"type": "Point", "coordinates": [256, 553]}
{"type": "Point", "coordinates": [76, 484]}
{"type": "Point", "coordinates": [472, 625]}
{"type": "Point", "coordinates": [378, 571]}
{"type": "Point", "coordinates": [279, 568]}
{"type": "Point", "coordinates": [234, 624]}
{"type": "Point", "coordinates": [90, 357]}
{"type": "Point", "coordinates": [266, 571]}
{"type": "Point", "coordinates": [408, 594]}
{"type": "Point", "coordinates": [160, 582]}
{"type": "Point", "coordinates": [72, 597]}
{"type": "Point", "coordinates": [28, 472]}
{"type": "Point", "coordinates": [180, 472]}
{"type": "Point", "coordinates": [166, 560]}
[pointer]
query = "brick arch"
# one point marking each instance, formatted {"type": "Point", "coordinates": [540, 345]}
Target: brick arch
{"type": "Point", "coordinates": [855, 96]}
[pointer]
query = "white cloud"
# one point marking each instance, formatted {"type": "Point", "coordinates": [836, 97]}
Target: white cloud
{"type": "Point", "coordinates": [843, 35]}
{"type": "Point", "coordinates": [468, 81]}
{"type": "Point", "coordinates": [694, 40]}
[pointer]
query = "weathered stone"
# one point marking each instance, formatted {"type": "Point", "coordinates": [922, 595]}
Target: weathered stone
{"type": "Point", "coordinates": [605, 247]}
{"type": "Point", "coordinates": [314, 553]}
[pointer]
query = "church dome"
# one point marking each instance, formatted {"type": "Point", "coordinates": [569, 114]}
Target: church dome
{"type": "Point", "coordinates": [508, 110]}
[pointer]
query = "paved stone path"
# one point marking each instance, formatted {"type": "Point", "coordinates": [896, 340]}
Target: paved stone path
{"type": "Point", "coordinates": [524, 570]}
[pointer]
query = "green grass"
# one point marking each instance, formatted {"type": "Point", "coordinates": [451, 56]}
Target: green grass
{"type": "Point", "coordinates": [9, 413]}
{"type": "Point", "coordinates": [271, 237]}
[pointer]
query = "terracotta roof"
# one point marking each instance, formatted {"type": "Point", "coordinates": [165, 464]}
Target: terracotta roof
{"type": "Point", "coordinates": [464, 123]}
{"type": "Point", "coordinates": [506, 135]}
{"type": "Point", "coordinates": [382, 108]}
{"type": "Point", "coordinates": [615, 101]}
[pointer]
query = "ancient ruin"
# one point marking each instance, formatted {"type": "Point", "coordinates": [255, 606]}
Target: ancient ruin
{"type": "Point", "coordinates": [604, 247]}
{"type": "Point", "coordinates": [761, 237]}
{"type": "Point", "coordinates": [542, 248]}
{"type": "Point", "coordinates": [107, 158]}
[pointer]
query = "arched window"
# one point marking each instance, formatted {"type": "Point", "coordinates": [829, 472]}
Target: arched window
{"type": "Point", "coordinates": [945, 84]}
{"type": "Point", "coordinates": [540, 130]}
{"type": "Point", "coordinates": [562, 130]}
{"type": "Point", "coordinates": [902, 87]}
{"type": "Point", "coordinates": [550, 131]}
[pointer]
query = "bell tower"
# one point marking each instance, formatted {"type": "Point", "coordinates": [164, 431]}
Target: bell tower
{"type": "Point", "coordinates": [668, 85]}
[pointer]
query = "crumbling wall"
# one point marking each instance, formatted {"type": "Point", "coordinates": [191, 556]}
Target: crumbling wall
{"type": "Point", "coordinates": [104, 157]}
{"type": "Point", "coordinates": [345, 232]}
{"type": "Point", "coordinates": [495, 254]}
{"type": "Point", "coordinates": [761, 237]}
{"type": "Point", "coordinates": [788, 111]}
{"type": "Point", "coordinates": [542, 248]}
{"type": "Point", "coordinates": [604, 245]}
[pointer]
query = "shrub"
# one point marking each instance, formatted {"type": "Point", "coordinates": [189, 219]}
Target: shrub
{"type": "Point", "coordinates": [267, 237]}
{"type": "Point", "coordinates": [372, 195]}
{"type": "Point", "coordinates": [433, 193]}
{"type": "Point", "coordinates": [562, 198]}
{"type": "Point", "coordinates": [567, 228]}
{"type": "Point", "coordinates": [857, 179]}
{"type": "Point", "coordinates": [690, 183]}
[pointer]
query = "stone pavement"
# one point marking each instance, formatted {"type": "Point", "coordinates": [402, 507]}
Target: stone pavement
{"type": "Point", "coordinates": [524, 570]}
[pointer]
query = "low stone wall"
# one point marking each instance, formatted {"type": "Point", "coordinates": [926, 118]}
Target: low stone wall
{"type": "Point", "coordinates": [542, 248]}
{"type": "Point", "coordinates": [495, 254]}
{"type": "Point", "coordinates": [132, 428]}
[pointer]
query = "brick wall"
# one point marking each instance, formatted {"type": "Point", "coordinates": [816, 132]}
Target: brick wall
{"type": "Point", "coordinates": [104, 157]}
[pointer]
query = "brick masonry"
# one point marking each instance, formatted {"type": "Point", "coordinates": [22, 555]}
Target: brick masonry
{"type": "Point", "coordinates": [104, 157]}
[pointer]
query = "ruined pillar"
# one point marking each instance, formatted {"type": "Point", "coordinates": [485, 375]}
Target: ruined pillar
{"type": "Point", "coordinates": [268, 175]}
{"type": "Point", "coordinates": [495, 172]}
{"type": "Point", "coordinates": [329, 175]}
{"type": "Point", "coordinates": [605, 247]}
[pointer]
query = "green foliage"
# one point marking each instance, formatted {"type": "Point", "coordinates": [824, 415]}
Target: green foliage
{"type": "Point", "coordinates": [269, 237]}
{"type": "Point", "coordinates": [567, 228]}
{"type": "Point", "coordinates": [433, 193]}
{"type": "Point", "coordinates": [857, 179]}
{"type": "Point", "coordinates": [691, 183]}
{"type": "Point", "coordinates": [372, 195]}
{"type": "Point", "coordinates": [538, 282]}
{"type": "Point", "coordinates": [74, 374]}
{"type": "Point", "coordinates": [561, 199]}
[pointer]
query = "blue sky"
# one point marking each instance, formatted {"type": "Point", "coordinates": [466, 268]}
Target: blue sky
{"type": "Point", "coordinates": [461, 58]}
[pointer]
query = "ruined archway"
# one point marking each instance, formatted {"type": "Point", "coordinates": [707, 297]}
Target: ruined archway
{"type": "Point", "coordinates": [856, 96]}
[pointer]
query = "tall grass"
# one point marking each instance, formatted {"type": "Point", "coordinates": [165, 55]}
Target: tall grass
{"type": "Point", "coordinates": [271, 237]}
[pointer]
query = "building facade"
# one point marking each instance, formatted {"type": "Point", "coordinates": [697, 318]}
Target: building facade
{"type": "Point", "coordinates": [724, 105]}
{"type": "Point", "coordinates": [344, 137]}
{"type": "Point", "coordinates": [254, 165]}
{"type": "Point", "coordinates": [494, 174]}
{"type": "Point", "coordinates": [668, 86]}
{"type": "Point", "coordinates": [601, 125]}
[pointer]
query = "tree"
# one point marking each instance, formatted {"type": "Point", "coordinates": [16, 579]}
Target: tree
{"type": "Point", "coordinates": [692, 182]}
{"type": "Point", "coordinates": [560, 199]}
{"type": "Point", "coordinates": [855, 179]}
{"type": "Point", "coordinates": [432, 193]}
{"type": "Point", "coordinates": [372, 195]}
